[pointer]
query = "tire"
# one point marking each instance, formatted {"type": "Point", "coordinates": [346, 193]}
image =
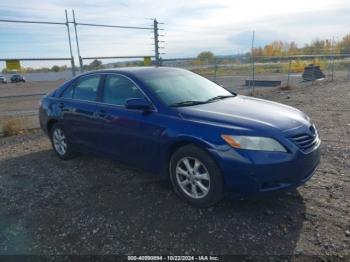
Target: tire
{"type": "Point", "coordinates": [201, 172]}
{"type": "Point", "coordinates": [60, 142]}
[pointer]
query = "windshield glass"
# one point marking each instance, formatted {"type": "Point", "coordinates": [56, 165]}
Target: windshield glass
{"type": "Point", "coordinates": [178, 86]}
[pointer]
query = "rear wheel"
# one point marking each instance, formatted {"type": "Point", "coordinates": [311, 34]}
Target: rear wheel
{"type": "Point", "coordinates": [196, 177]}
{"type": "Point", "coordinates": [60, 142]}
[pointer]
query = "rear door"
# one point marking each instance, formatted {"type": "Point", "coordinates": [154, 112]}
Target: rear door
{"type": "Point", "coordinates": [79, 109]}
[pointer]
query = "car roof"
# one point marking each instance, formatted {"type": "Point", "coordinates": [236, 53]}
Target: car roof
{"type": "Point", "coordinates": [136, 71]}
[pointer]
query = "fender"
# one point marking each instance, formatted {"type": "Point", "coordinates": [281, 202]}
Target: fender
{"type": "Point", "coordinates": [175, 142]}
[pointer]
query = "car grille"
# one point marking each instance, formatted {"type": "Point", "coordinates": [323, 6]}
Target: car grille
{"type": "Point", "coordinates": [306, 141]}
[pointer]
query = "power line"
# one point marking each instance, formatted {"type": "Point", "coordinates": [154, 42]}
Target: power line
{"type": "Point", "coordinates": [31, 22]}
{"type": "Point", "coordinates": [114, 26]}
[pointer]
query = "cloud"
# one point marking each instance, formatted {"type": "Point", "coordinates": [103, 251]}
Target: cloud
{"type": "Point", "coordinates": [243, 40]}
{"type": "Point", "coordinates": [223, 27]}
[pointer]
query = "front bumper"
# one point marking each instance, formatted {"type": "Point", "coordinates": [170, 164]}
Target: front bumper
{"type": "Point", "coordinates": [252, 172]}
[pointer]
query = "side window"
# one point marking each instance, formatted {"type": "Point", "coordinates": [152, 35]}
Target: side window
{"type": "Point", "coordinates": [118, 90]}
{"type": "Point", "coordinates": [68, 93]}
{"type": "Point", "coordinates": [86, 88]}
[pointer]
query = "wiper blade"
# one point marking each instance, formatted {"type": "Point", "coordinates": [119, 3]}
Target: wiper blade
{"type": "Point", "coordinates": [188, 103]}
{"type": "Point", "coordinates": [195, 102]}
{"type": "Point", "coordinates": [219, 98]}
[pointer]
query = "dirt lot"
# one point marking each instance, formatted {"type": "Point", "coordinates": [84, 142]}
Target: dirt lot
{"type": "Point", "coordinates": [94, 206]}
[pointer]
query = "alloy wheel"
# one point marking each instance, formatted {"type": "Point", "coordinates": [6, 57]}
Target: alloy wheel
{"type": "Point", "coordinates": [193, 177]}
{"type": "Point", "coordinates": [59, 141]}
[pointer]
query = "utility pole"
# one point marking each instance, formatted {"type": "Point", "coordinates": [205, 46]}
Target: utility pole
{"type": "Point", "coordinates": [332, 58]}
{"type": "Point", "coordinates": [156, 42]}
{"type": "Point", "coordinates": [253, 64]}
{"type": "Point", "coordinates": [70, 44]}
{"type": "Point", "coordinates": [77, 41]}
{"type": "Point", "coordinates": [289, 68]}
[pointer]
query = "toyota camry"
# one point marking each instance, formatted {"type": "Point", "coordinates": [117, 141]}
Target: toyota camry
{"type": "Point", "coordinates": [207, 141]}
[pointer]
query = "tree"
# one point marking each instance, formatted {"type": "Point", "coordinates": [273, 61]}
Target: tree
{"type": "Point", "coordinates": [318, 47]}
{"type": "Point", "coordinates": [344, 45]}
{"type": "Point", "coordinates": [96, 64]}
{"type": "Point", "coordinates": [258, 52]}
{"type": "Point", "coordinates": [55, 68]}
{"type": "Point", "coordinates": [292, 48]}
{"type": "Point", "coordinates": [206, 56]}
{"type": "Point", "coordinates": [274, 49]}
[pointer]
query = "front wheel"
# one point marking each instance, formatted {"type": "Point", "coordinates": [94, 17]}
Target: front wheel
{"type": "Point", "coordinates": [196, 177]}
{"type": "Point", "coordinates": [60, 142]}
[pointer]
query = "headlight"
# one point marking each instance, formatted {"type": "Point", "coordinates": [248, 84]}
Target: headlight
{"type": "Point", "coordinates": [254, 143]}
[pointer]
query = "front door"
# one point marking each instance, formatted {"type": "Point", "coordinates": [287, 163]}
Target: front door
{"type": "Point", "coordinates": [127, 132]}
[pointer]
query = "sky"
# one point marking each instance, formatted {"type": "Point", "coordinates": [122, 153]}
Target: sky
{"type": "Point", "coordinates": [223, 27]}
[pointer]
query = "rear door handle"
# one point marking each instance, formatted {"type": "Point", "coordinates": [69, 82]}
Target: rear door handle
{"type": "Point", "coordinates": [102, 113]}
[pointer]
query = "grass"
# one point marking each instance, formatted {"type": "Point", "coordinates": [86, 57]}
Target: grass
{"type": "Point", "coordinates": [12, 127]}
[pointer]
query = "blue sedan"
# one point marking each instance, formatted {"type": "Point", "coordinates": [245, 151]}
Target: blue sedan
{"type": "Point", "coordinates": [207, 141]}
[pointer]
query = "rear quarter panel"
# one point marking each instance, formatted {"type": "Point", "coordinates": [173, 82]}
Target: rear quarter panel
{"type": "Point", "coordinates": [48, 111]}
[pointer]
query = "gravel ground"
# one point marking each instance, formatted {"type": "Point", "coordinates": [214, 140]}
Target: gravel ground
{"type": "Point", "coordinates": [95, 206]}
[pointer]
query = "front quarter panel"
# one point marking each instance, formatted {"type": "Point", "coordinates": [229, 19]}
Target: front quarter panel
{"type": "Point", "coordinates": [181, 131]}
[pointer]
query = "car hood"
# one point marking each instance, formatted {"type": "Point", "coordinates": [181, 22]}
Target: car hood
{"type": "Point", "coordinates": [247, 113]}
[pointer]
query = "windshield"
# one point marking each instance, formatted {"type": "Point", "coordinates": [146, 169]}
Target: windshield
{"type": "Point", "coordinates": [180, 86]}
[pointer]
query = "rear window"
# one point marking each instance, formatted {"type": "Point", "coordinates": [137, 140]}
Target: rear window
{"type": "Point", "coordinates": [84, 89]}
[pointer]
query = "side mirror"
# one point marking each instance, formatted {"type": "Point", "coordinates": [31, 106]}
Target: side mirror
{"type": "Point", "coordinates": [137, 103]}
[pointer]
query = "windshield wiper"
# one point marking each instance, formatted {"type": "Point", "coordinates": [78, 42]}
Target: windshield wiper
{"type": "Point", "coordinates": [195, 102]}
{"type": "Point", "coordinates": [188, 103]}
{"type": "Point", "coordinates": [219, 98]}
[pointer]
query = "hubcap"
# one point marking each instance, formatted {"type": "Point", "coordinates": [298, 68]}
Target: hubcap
{"type": "Point", "coordinates": [59, 141]}
{"type": "Point", "coordinates": [192, 177]}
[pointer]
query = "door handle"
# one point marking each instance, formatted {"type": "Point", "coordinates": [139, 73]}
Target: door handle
{"type": "Point", "coordinates": [102, 114]}
{"type": "Point", "coordinates": [61, 105]}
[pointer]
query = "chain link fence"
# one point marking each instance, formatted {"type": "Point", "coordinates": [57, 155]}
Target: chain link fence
{"type": "Point", "coordinates": [237, 73]}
